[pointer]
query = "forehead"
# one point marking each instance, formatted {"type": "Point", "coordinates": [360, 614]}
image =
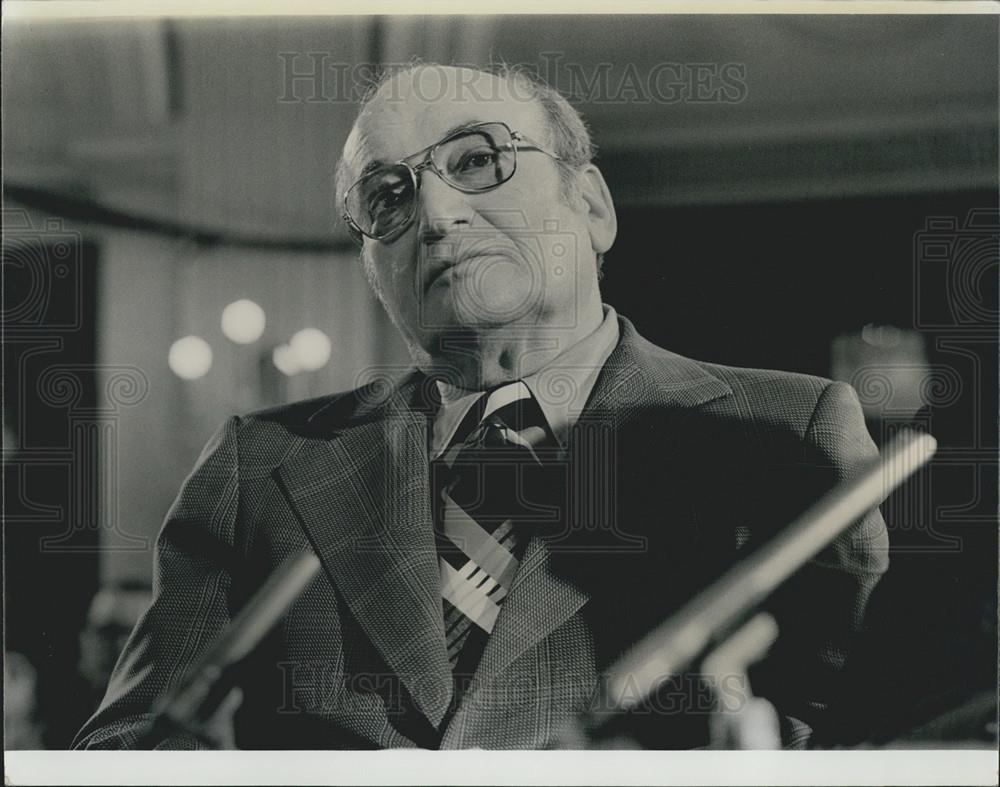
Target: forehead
{"type": "Point", "coordinates": [415, 109]}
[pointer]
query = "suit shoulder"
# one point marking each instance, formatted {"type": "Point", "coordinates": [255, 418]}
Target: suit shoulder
{"type": "Point", "coordinates": [303, 410]}
{"type": "Point", "coordinates": [746, 392]}
{"type": "Point", "coordinates": [331, 411]}
{"type": "Point", "coordinates": [767, 382]}
{"type": "Point", "coordinates": [778, 399]}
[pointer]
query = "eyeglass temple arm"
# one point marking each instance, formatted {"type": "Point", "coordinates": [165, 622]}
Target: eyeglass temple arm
{"type": "Point", "coordinates": [521, 142]}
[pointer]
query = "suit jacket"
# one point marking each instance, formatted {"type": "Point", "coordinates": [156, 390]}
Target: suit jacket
{"type": "Point", "coordinates": [675, 470]}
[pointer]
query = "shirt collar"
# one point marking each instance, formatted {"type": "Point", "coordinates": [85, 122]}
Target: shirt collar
{"type": "Point", "coordinates": [561, 387]}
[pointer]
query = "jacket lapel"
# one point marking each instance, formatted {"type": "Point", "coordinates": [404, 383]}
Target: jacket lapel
{"type": "Point", "coordinates": [638, 380]}
{"type": "Point", "coordinates": [362, 497]}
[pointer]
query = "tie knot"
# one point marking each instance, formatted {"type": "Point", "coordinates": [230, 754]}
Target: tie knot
{"type": "Point", "coordinates": [510, 416]}
{"type": "Point", "coordinates": [505, 417]}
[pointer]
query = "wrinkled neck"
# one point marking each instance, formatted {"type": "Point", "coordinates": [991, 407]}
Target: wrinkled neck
{"type": "Point", "coordinates": [474, 360]}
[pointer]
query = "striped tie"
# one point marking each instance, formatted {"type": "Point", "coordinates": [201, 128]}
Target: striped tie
{"type": "Point", "coordinates": [485, 489]}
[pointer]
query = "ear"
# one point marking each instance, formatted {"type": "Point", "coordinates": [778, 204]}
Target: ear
{"type": "Point", "coordinates": [602, 221]}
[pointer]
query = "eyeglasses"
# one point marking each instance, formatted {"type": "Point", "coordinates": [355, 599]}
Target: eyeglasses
{"type": "Point", "coordinates": [478, 158]}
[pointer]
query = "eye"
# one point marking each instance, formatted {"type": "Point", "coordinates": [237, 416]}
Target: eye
{"type": "Point", "coordinates": [387, 199]}
{"type": "Point", "coordinates": [477, 159]}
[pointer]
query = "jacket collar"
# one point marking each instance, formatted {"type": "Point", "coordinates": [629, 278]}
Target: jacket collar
{"type": "Point", "coordinates": [638, 373]}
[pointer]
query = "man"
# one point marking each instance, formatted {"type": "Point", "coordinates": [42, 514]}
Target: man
{"type": "Point", "coordinates": [499, 525]}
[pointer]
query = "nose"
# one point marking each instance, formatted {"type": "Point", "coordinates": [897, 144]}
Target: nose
{"type": "Point", "coordinates": [441, 208]}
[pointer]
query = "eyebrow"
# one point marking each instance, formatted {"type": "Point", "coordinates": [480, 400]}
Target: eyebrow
{"type": "Point", "coordinates": [374, 164]}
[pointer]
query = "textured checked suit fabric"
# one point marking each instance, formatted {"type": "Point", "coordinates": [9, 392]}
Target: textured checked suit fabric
{"type": "Point", "coordinates": [274, 482]}
{"type": "Point", "coordinates": [481, 510]}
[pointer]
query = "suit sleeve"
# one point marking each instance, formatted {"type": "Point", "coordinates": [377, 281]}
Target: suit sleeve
{"type": "Point", "coordinates": [821, 611]}
{"type": "Point", "coordinates": [192, 578]}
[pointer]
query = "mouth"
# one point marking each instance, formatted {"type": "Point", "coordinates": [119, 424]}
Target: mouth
{"type": "Point", "coordinates": [438, 268]}
{"type": "Point", "coordinates": [456, 252]}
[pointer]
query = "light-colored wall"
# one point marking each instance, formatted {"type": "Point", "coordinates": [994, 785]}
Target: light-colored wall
{"type": "Point", "coordinates": [153, 291]}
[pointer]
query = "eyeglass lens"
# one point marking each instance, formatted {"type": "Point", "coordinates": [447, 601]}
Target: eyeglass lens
{"type": "Point", "coordinates": [478, 159]}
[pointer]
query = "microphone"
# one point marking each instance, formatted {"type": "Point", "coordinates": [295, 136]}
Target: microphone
{"type": "Point", "coordinates": [197, 697]}
{"type": "Point", "coordinates": [681, 639]}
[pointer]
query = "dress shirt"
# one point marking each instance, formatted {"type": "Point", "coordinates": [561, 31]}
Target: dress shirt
{"type": "Point", "coordinates": [561, 387]}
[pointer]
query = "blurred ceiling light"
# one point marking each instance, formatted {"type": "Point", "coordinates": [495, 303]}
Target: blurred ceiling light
{"type": "Point", "coordinates": [312, 348]}
{"type": "Point", "coordinates": [243, 321]}
{"type": "Point", "coordinates": [881, 335]}
{"type": "Point", "coordinates": [190, 357]}
{"type": "Point", "coordinates": [285, 360]}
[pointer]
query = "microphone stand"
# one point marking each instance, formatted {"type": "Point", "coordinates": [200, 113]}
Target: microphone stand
{"type": "Point", "coordinates": [684, 638]}
{"type": "Point", "coordinates": [187, 708]}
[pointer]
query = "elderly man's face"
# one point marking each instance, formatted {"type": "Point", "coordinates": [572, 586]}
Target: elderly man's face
{"type": "Point", "coordinates": [520, 254]}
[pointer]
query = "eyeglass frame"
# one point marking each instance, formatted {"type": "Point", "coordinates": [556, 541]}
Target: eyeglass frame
{"type": "Point", "coordinates": [518, 141]}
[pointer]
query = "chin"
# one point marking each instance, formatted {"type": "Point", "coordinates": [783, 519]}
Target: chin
{"type": "Point", "coordinates": [493, 301]}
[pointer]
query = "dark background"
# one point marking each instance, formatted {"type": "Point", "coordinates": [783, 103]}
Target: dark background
{"type": "Point", "coordinates": [51, 570]}
{"type": "Point", "coordinates": [770, 286]}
